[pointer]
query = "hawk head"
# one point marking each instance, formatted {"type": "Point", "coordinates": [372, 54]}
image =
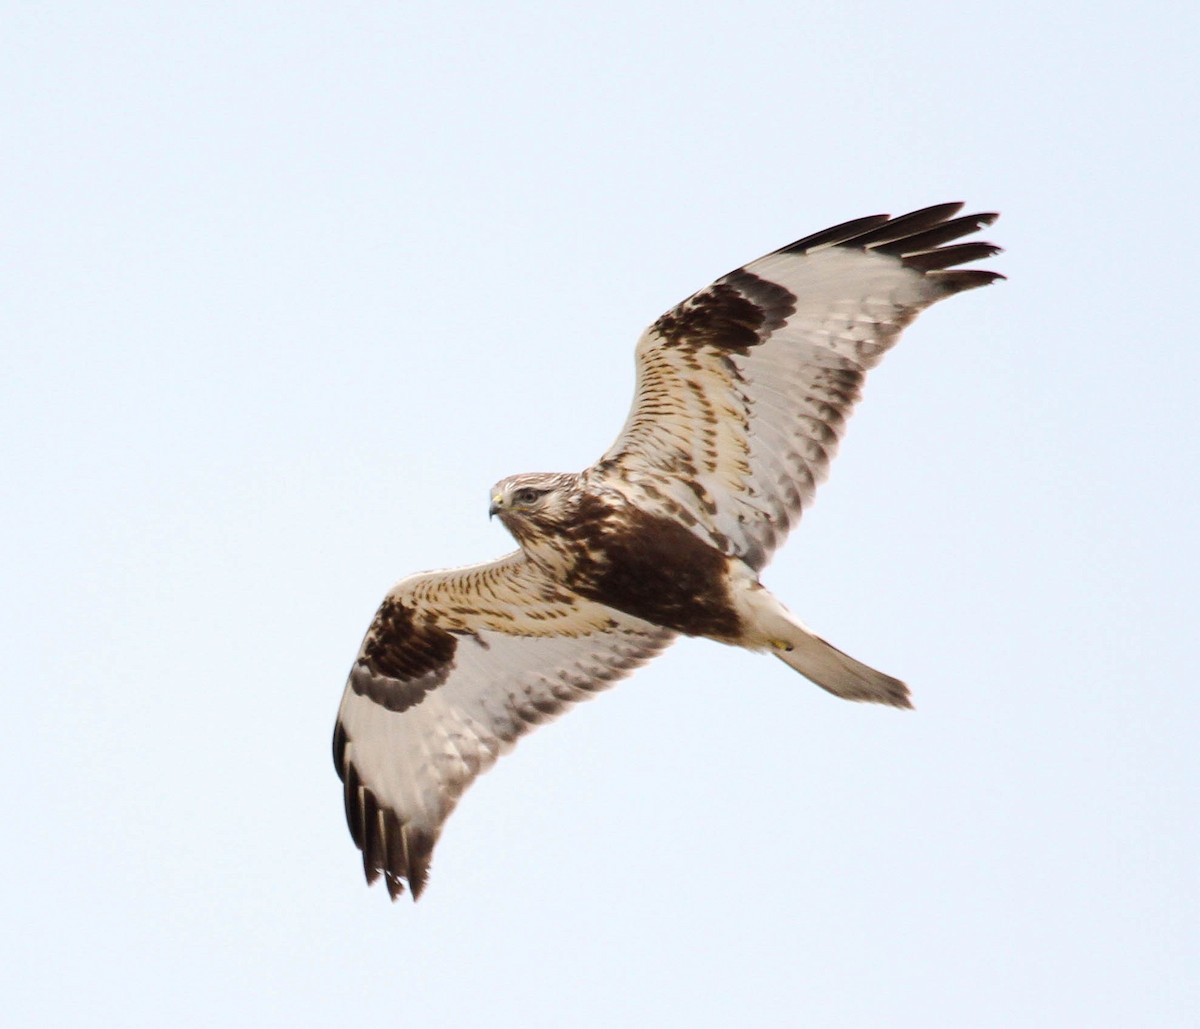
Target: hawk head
{"type": "Point", "coordinates": [554, 516]}
{"type": "Point", "coordinates": [534, 500]}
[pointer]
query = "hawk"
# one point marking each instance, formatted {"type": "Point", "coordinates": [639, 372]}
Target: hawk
{"type": "Point", "coordinates": [743, 392]}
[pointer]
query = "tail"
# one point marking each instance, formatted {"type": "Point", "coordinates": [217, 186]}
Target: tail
{"type": "Point", "coordinates": [836, 672]}
{"type": "Point", "coordinates": [768, 625]}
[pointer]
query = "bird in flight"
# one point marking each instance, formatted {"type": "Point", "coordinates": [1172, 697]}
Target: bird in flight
{"type": "Point", "coordinates": [743, 392]}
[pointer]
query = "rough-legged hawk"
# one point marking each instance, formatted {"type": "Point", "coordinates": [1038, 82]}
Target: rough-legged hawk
{"type": "Point", "coordinates": [743, 391]}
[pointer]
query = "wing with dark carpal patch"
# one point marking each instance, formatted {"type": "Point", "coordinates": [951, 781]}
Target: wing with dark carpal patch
{"type": "Point", "coordinates": [455, 667]}
{"type": "Point", "coordinates": [744, 389]}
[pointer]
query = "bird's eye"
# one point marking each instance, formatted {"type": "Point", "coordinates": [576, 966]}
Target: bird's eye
{"type": "Point", "coordinates": [526, 495]}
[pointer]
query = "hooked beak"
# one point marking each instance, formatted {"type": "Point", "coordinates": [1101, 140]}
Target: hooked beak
{"type": "Point", "coordinates": [496, 506]}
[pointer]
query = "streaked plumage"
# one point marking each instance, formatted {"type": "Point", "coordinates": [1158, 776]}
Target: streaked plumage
{"type": "Point", "coordinates": [742, 395]}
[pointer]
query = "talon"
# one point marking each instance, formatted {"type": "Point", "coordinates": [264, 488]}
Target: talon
{"type": "Point", "coordinates": [780, 645]}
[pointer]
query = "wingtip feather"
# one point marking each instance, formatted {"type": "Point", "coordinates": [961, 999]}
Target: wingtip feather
{"type": "Point", "coordinates": [918, 239]}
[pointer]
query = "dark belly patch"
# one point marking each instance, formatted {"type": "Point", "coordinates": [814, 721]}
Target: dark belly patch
{"type": "Point", "coordinates": [657, 570]}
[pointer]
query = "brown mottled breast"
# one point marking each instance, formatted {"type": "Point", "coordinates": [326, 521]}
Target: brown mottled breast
{"type": "Point", "coordinates": [654, 569]}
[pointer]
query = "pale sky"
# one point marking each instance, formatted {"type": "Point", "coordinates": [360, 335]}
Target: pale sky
{"type": "Point", "coordinates": [286, 287]}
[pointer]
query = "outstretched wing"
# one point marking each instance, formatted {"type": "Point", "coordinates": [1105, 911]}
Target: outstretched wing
{"type": "Point", "coordinates": [744, 389]}
{"type": "Point", "coordinates": [455, 667]}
